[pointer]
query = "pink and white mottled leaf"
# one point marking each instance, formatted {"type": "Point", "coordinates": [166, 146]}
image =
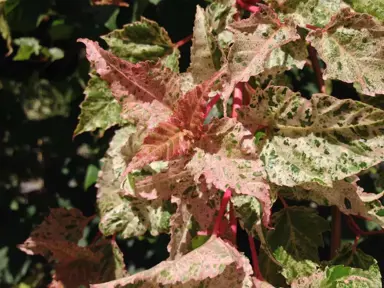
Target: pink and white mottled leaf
{"type": "Point", "coordinates": [214, 264]}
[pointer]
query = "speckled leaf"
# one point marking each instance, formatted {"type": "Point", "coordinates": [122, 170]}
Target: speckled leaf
{"type": "Point", "coordinates": [83, 271]}
{"type": "Point", "coordinates": [373, 7]}
{"type": "Point", "coordinates": [341, 276]}
{"type": "Point", "coordinates": [294, 242]}
{"type": "Point", "coordinates": [110, 2]}
{"type": "Point", "coordinates": [165, 142]}
{"type": "Point", "coordinates": [125, 215]}
{"type": "Point", "coordinates": [351, 46]}
{"type": "Point", "coordinates": [319, 140]}
{"type": "Point", "coordinates": [143, 82]}
{"type": "Point", "coordinates": [99, 110]}
{"type": "Point", "coordinates": [61, 226]}
{"type": "Point", "coordinates": [254, 40]}
{"type": "Point", "coordinates": [140, 41]}
{"type": "Point", "coordinates": [244, 176]}
{"type": "Point", "coordinates": [205, 56]}
{"type": "Point", "coordinates": [192, 216]}
{"type": "Point", "coordinates": [314, 12]}
{"type": "Point", "coordinates": [345, 194]}
{"type": "Point", "coordinates": [175, 180]}
{"type": "Point", "coordinates": [248, 210]}
{"type": "Point", "coordinates": [214, 264]}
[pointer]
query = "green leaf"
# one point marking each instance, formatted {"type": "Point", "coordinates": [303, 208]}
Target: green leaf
{"type": "Point", "coordinates": [348, 46]}
{"type": "Point", "coordinates": [223, 266]}
{"type": "Point", "coordinates": [139, 41]}
{"type": "Point", "coordinates": [294, 242]}
{"type": "Point", "coordinates": [111, 22]}
{"type": "Point", "coordinates": [357, 259]}
{"type": "Point", "coordinates": [4, 30]}
{"type": "Point", "coordinates": [313, 12]}
{"type": "Point", "coordinates": [90, 176]}
{"type": "Point", "coordinates": [99, 110]}
{"type": "Point", "coordinates": [373, 7]}
{"type": "Point", "coordinates": [55, 53]}
{"type": "Point", "coordinates": [27, 47]}
{"type": "Point", "coordinates": [319, 140]}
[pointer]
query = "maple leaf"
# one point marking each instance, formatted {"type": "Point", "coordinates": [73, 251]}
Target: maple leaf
{"type": "Point", "coordinates": [345, 194]}
{"type": "Point", "coordinates": [146, 81]}
{"type": "Point", "coordinates": [140, 41]}
{"type": "Point", "coordinates": [56, 238]}
{"type": "Point", "coordinates": [126, 215]}
{"type": "Point", "coordinates": [223, 266]}
{"type": "Point", "coordinates": [294, 242]}
{"type": "Point", "coordinates": [254, 40]}
{"type": "Point", "coordinates": [244, 176]}
{"type": "Point", "coordinates": [312, 12]}
{"type": "Point", "coordinates": [110, 2]}
{"type": "Point", "coordinates": [352, 47]}
{"type": "Point", "coordinates": [319, 140]}
{"type": "Point", "coordinates": [99, 110]}
{"type": "Point", "coordinates": [175, 180]}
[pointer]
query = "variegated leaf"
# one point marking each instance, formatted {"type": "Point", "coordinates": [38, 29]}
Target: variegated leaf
{"type": "Point", "coordinates": [294, 242]}
{"type": "Point", "coordinates": [244, 176]}
{"type": "Point", "coordinates": [140, 41]}
{"type": "Point", "coordinates": [345, 194]}
{"type": "Point", "coordinates": [373, 7]}
{"type": "Point", "coordinates": [165, 142]}
{"type": "Point", "coordinates": [352, 47]}
{"type": "Point", "coordinates": [255, 39]}
{"type": "Point", "coordinates": [144, 81]}
{"type": "Point", "coordinates": [99, 110]}
{"type": "Point", "coordinates": [319, 140]}
{"type": "Point", "coordinates": [313, 12]}
{"type": "Point", "coordinates": [214, 264]}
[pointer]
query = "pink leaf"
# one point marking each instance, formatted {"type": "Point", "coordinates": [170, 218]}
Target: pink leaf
{"type": "Point", "coordinates": [146, 81]}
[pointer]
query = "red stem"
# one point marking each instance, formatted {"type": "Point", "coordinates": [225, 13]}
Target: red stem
{"type": "Point", "coordinates": [210, 105]}
{"type": "Point", "coordinates": [237, 98]}
{"type": "Point", "coordinates": [316, 67]}
{"type": "Point", "coordinates": [283, 201]}
{"type": "Point", "coordinates": [357, 230]}
{"type": "Point", "coordinates": [255, 261]}
{"type": "Point", "coordinates": [223, 207]}
{"type": "Point", "coordinates": [233, 223]}
{"type": "Point", "coordinates": [183, 41]}
{"type": "Point", "coordinates": [248, 7]}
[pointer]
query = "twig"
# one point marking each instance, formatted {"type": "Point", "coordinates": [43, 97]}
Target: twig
{"type": "Point", "coordinates": [237, 98]}
{"type": "Point", "coordinates": [336, 231]}
{"type": "Point", "coordinates": [183, 41]}
{"type": "Point", "coordinates": [223, 207]}
{"type": "Point", "coordinates": [316, 67]}
{"type": "Point", "coordinates": [255, 260]}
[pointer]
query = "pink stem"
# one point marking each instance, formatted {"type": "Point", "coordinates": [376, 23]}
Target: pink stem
{"type": "Point", "coordinates": [248, 7]}
{"type": "Point", "coordinates": [211, 104]}
{"type": "Point", "coordinates": [233, 221]}
{"type": "Point", "coordinates": [183, 41]}
{"type": "Point", "coordinates": [237, 98]}
{"type": "Point", "coordinates": [223, 206]}
{"type": "Point", "coordinates": [255, 261]}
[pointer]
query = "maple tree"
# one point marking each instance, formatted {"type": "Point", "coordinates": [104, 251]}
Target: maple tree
{"type": "Point", "coordinates": [171, 168]}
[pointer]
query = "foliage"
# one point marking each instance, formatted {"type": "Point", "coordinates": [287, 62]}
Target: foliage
{"type": "Point", "coordinates": [170, 168]}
